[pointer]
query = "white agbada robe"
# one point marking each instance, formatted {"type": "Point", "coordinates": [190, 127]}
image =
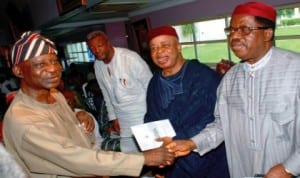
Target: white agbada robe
{"type": "Point", "coordinates": [124, 83]}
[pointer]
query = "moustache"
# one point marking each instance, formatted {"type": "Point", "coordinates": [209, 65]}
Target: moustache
{"type": "Point", "coordinates": [235, 42]}
{"type": "Point", "coordinates": [238, 42]}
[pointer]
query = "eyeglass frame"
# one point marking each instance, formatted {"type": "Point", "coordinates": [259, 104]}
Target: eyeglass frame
{"type": "Point", "coordinates": [230, 30]}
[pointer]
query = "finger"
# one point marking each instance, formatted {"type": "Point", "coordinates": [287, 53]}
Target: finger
{"type": "Point", "coordinates": [169, 163]}
{"type": "Point", "coordinates": [166, 140]}
{"type": "Point", "coordinates": [91, 127]}
{"type": "Point", "coordinates": [171, 145]}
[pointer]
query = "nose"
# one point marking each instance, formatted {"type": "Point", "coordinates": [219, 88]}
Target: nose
{"type": "Point", "coordinates": [236, 34]}
{"type": "Point", "coordinates": [54, 67]}
{"type": "Point", "coordinates": [159, 49]}
{"type": "Point", "coordinates": [96, 50]}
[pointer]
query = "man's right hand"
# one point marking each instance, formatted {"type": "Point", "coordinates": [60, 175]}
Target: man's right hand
{"type": "Point", "coordinates": [115, 125]}
{"type": "Point", "coordinates": [159, 157]}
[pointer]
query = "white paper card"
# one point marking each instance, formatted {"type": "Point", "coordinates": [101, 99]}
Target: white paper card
{"type": "Point", "coordinates": [146, 133]}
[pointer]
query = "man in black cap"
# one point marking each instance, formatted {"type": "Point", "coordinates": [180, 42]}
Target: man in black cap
{"type": "Point", "coordinates": [42, 131]}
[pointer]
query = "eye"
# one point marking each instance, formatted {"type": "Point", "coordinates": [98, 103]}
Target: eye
{"type": "Point", "coordinates": [39, 65]}
{"type": "Point", "coordinates": [245, 30]}
{"type": "Point", "coordinates": [100, 45]}
{"type": "Point", "coordinates": [166, 45]}
{"type": "Point", "coordinates": [153, 48]}
{"type": "Point", "coordinates": [56, 61]}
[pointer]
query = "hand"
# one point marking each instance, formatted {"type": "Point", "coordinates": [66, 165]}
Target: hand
{"type": "Point", "coordinates": [181, 147]}
{"type": "Point", "coordinates": [278, 171]}
{"type": "Point", "coordinates": [115, 125]}
{"type": "Point", "coordinates": [159, 176]}
{"type": "Point", "coordinates": [86, 121]}
{"type": "Point", "coordinates": [166, 140]}
{"type": "Point", "coordinates": [159, 157]}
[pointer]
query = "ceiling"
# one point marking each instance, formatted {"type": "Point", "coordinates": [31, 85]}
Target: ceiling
{"type": "Point", "coordinates": [99, 12]}
{"type": "Point", "coordinates": [81, 16]}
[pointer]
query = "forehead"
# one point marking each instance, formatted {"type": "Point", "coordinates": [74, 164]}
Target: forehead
{"type": "Point", "coordinates": [44, 57]}
{"type": "Point", "coordinates": [162, 39]}
{"type": "Point", "coordinates": [97, 39]}
{"type": "Point", "coordinates": [242, 20]}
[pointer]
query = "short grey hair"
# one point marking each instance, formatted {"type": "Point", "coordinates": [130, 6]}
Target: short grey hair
{"type": "Point", "coordinates": [93, 34]}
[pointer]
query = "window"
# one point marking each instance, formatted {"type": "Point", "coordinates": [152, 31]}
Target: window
{"type": "Point", "coordinates": [207, 42]}
{"type": "Point", "coordinates": [287, 34]}
{"type": "Point", "coordinates": [78, 52]}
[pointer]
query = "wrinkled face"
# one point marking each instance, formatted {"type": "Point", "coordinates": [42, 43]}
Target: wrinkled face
{"type": "Point", "coordinates": [248, 47]}
{"type": "Point", "coordinates": [101, 48]}
{"type": "Point", "coordinates": [165, 51]}
{"type": "Point", "coordinates": [42, 72]}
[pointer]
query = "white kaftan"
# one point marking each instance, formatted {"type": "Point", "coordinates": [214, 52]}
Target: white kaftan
{"type": "Point", "coordinates": [124, 83]}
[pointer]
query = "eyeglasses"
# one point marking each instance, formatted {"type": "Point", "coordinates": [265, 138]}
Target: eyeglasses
{"type": "Point", "coordinates": [243, 30]}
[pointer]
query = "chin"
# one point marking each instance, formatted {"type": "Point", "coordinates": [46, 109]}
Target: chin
{"type": "Point", "coordinates": [163, 67]}
{"type": "Point", "coordinates": [240, 55]}
{"type": "Point", "coordinates": [52, 85]}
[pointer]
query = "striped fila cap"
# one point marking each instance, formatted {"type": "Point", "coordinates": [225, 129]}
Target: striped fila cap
{"type": "Point", "coordinates": [31, 45]}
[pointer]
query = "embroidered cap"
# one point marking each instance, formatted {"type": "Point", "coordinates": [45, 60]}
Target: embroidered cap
{"type": "Point", "coordinates": [256, 9]}
{"type": "Point", "coordinates": [163, 30]}
{"type": "Point", "coordinates": [68, 94]}
{"type": "Point", "coordinates": [31, 45]}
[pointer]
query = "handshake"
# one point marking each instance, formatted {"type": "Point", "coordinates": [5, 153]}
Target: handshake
{"type": "Point", "coordinates": [166, 154]}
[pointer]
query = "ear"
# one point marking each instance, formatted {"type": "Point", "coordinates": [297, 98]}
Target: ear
{"type": "Point", "coordinates": [179, 47]}
{"type": "Point", "coordinates": [18, 71]}
{"type": "Point", "coordinates": [268, 34]}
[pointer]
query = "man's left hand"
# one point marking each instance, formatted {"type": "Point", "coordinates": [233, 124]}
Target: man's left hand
{"type": "Point", "coordinates": [86, 121]}
{"type": "Point", "coordinates": [278, 171]}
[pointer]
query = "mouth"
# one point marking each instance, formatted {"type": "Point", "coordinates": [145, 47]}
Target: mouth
{"type": "Point", "coordinates": [162, 60]}
{"type": "Point", "coordinates": [54, 79]}
{"type": "Point", "coordinates": [99, 56]}
{"type": "Point", "coordinates": [236, 46]}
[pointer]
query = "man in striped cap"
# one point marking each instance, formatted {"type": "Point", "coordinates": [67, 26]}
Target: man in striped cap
{"type": "Point", "coordinates": [42, 132]}
{"type": "Point", "coordinates": [31, 45]}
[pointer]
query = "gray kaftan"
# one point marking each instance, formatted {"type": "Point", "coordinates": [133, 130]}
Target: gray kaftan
{"type": "Point", "coordinates": [258, 115]}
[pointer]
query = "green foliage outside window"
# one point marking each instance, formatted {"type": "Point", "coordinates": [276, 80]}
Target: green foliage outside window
{"type": "Point", "coordinates": [214, 52]}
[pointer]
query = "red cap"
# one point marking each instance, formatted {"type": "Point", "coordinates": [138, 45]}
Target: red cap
{"type": "Point", "coordinates": [10, 96]}
{"type": "Point", "coordinates": [256, 9]}
{"type": "Point", "coordinates": [163, 30]}
{"type": "Point", "coordinates": [69, 94]}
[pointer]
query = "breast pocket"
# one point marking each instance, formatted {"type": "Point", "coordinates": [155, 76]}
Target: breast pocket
{"type": "Point", "coordinates": [126, 89]}
{"type": "Point", "coordinates": [282, 119]}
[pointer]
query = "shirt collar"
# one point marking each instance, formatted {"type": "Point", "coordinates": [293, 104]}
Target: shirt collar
{"type": "Point", "coordinates": [259, 64]}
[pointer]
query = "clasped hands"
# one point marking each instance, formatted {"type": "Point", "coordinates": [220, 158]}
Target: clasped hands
{"type": "Point", "coordinates": [178, 147]}
{"type": "Point", "coordinates": [166, 154]}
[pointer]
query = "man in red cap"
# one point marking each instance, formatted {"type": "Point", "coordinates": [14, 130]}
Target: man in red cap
{"type": "Point", "coordinates": [258, 106]}
{"type": "Point", "coordinates": [184, 91]}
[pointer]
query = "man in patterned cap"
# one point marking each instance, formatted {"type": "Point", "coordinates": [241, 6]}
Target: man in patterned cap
{"type": "Point", "coordinates": [42, 131]}
{"type": "Point", "coordinates": [258, 106]}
